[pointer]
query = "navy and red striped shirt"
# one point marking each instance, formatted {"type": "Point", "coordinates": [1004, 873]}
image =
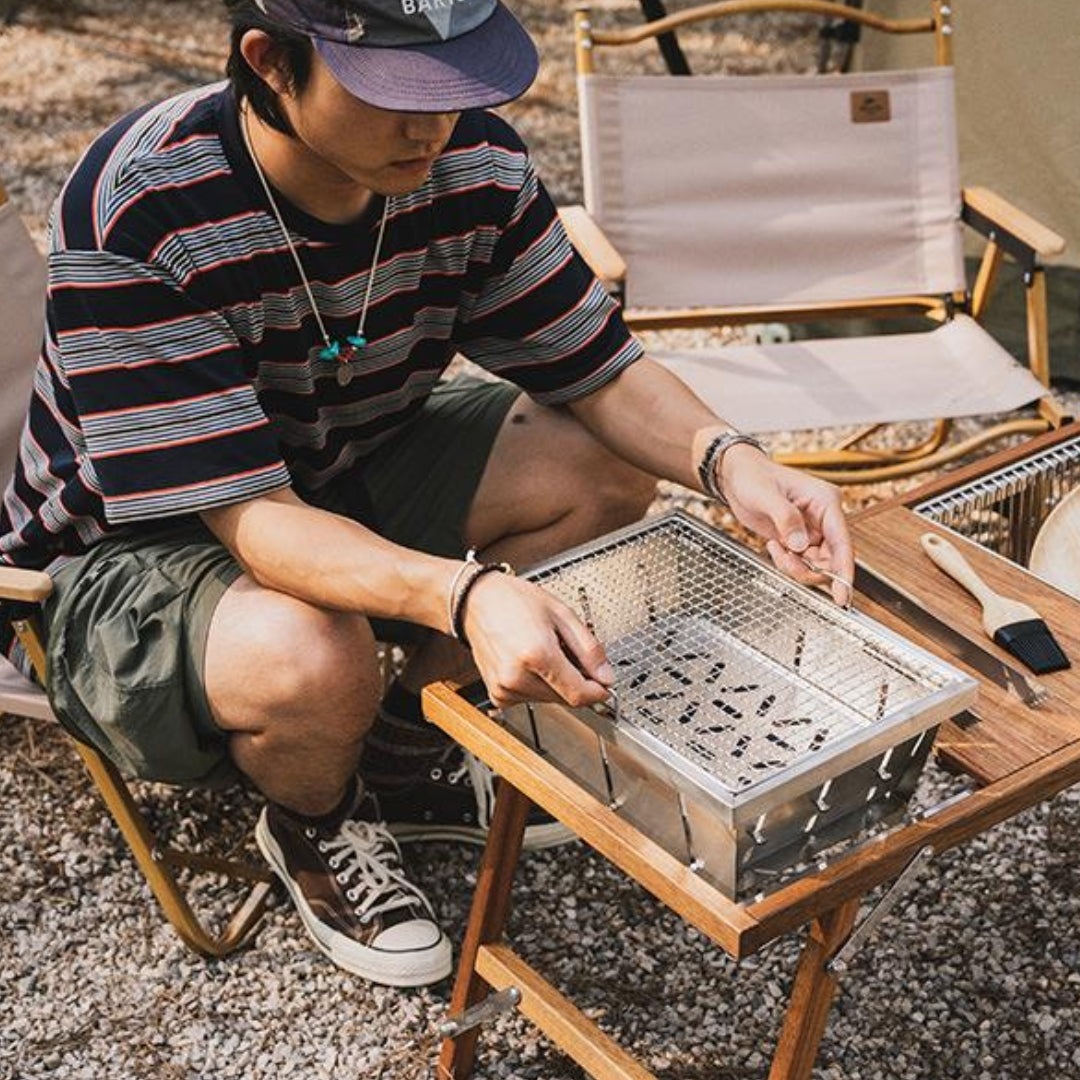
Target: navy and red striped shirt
{"type": "Point", "coordinates": [180, 369]}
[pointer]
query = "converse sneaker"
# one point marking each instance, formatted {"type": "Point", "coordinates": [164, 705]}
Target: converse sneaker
{"type": "Point", "coordinates": [453, 799]}
{"type": "Point", "coordinates": [354, 899]}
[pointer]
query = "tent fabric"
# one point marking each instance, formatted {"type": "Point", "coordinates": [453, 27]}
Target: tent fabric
{"type": "Point", "coordinates": [1018, 99]}
{"type": "Point", "coordinates": [954, 370]}
{"type": "Point", "coordinates": [702, 184]}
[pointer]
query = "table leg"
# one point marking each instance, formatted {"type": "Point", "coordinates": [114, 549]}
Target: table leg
{"type": "Point", "coordinates": [487, 920]}
{"type": "Point", "coordinates": [812, 995]}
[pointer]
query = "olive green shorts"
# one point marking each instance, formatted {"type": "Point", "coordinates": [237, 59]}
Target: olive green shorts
{"type": "Point", "coordinates": [127, 623]}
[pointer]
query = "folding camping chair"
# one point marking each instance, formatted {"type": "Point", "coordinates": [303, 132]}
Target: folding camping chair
{"type": "Point", "coordinates": [715, 200]}
{"type": "Point", "coordinates": [22, 291]}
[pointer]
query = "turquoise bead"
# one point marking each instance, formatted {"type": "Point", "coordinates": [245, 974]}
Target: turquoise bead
{"type": "Point", "coordinates": [357, 341]}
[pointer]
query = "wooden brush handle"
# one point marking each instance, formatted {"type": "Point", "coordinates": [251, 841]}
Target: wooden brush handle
{"type": "Point", "coordinates": [943, 554]}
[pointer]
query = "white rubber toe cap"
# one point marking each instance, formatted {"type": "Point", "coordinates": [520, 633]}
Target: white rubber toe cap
{"type": "Point", "coordinates": [408, 936]}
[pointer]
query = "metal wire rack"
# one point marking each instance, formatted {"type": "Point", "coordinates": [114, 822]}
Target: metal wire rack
{"type": "Point", "coordinates": [727, 663]}
{"type": "Point", "coordinates": [1004, 510]}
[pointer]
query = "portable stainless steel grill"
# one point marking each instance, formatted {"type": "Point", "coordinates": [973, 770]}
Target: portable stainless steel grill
{"type": "Point", "coordinates": [1004, 510]}
{"type": "Point", "coordinates": [753, 723]}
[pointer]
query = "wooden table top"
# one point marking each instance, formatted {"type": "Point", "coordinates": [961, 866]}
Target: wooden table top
{"type": "Point", "coordinates": [1009, 734]}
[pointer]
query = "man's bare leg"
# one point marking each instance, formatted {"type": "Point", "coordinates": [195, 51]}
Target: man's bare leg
{"type": "Point", "coordinates": [298, 687]}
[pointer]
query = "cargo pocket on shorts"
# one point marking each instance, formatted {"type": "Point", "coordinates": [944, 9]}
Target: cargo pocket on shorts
{"type": "Point", "coordinates": [117, 678]}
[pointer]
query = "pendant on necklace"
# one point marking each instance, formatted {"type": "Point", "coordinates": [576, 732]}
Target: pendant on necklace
{"type": "Point", "coordinates": [345, 356]}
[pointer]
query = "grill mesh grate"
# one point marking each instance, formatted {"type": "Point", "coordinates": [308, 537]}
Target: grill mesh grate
{"type": "Point", "coordinates": [1004, 510]}
{"type": "Point", "coordinates": [725, 661]}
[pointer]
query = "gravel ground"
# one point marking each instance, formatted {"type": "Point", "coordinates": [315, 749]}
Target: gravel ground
{"type": "Point", "coordinates": [976, 974]}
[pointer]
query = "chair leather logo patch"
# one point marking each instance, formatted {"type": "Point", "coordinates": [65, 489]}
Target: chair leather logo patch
{"type": "Point", "coordinates": [869, 106]}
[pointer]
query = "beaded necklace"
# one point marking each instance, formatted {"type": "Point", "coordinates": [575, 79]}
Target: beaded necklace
{"type": "Point", "coordinates": [345, 353]}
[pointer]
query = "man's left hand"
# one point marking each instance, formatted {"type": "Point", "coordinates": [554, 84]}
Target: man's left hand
{"type": "Point", "coordinates": [795, 513]}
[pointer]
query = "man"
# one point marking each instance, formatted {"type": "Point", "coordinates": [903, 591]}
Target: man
{"type": "Point", "coordinates": [240, 465]}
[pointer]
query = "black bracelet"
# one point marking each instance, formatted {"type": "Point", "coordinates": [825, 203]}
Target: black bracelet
{"type": "Point", "coordinates": [457, 611]}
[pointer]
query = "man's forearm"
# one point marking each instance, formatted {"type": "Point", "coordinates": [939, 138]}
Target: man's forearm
{"type": "Point", "coordinates": [651, 418]}
{"type": "Point", "coordinates": [327, 560]}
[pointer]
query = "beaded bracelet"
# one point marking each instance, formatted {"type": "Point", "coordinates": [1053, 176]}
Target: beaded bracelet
{"type": "Point", "coordinates": [470, 572]}
{"type": "Point", "coordinates": [451, 596]}
{"type": "Point", "coordinates": [708, 472]}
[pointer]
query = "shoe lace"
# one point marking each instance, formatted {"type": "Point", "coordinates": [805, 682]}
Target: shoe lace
{"type": "Point", "coordinates": [367, 862]}
{"type": "Point", "coordinates": [482, 780]}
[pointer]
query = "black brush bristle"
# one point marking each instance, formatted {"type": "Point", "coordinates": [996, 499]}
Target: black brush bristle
{"type": "Point", "coordinates": [1031, 642]}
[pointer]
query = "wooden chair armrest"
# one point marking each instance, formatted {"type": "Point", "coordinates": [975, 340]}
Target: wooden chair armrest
{"type": "Point", "coordinates": [26, 586]}
{"type": "Point", "coordinates": [595, 248]}
{"type": "Point", "coordinates": [985, 209]}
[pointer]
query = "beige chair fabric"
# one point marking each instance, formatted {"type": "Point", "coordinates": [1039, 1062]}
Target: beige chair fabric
{"type": "Point", "coordinates": [22, 318]}
{"type": "Point", "coordinates": [729, 191]}
{"type": "Point", "coordinates": [955, 370]}
{"type": "Point", "coordinates": [724, 192]}
{"type": "Point", "coordinates": [21, 697]}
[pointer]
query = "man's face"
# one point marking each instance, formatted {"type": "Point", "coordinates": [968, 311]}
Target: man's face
{"type": "Point", "coordinates": [389, 152]}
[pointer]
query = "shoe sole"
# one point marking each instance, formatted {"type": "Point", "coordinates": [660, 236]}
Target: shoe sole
{"type": "Point", "coordinates": [376, 965]}
{"type": "Point", "coordinates": [536, 838]}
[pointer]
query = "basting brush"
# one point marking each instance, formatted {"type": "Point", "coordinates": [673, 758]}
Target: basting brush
{"type": "Point", "coordinates": [1009, 623]}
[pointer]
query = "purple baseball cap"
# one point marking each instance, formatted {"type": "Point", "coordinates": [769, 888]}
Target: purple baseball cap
{"type": "Point", "coordinates": [417, 55]}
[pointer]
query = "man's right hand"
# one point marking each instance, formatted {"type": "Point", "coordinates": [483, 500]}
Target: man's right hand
{"type": "Point", "coordinates": [530, 646]}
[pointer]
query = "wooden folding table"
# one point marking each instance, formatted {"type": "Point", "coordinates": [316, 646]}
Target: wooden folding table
{"type": "Point", "coordinates": [1015, 755]}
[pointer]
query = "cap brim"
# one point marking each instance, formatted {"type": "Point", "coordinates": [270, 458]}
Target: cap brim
{"type": "Point", "coordinates": [488, 66]}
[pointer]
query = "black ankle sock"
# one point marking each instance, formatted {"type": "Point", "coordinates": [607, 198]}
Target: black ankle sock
{"type": "Point", "coordinates": [331, 821]}
{"type": "Point", "coordinates": [401, 745]}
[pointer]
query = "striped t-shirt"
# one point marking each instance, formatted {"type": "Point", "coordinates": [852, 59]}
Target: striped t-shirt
{"type": "Point", "coordinates": [180, 369]}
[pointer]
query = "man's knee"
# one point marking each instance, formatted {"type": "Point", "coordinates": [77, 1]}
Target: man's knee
{"type": "Point", "coordinates": [274, 661]}
{"type": "Point", "coordinates": [622, 496]}
{"type": "Point", "coordinates": [316, 656]}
